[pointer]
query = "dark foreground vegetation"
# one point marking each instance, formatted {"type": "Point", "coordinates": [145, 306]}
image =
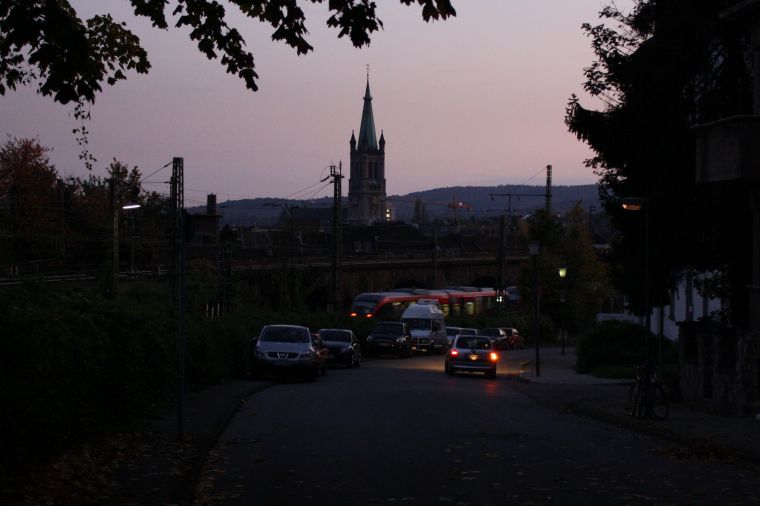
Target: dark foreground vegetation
{"type": "Point", "coordinates": [614, 348]}
{"type": "Point", "coordinates": [76, 364]}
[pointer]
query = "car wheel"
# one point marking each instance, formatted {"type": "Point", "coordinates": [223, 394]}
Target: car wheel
{"type": "Point", "coordinates": [491, 374]}
{"type": "Point", "coordinates": [358, 361]}
{"type": "Point", "coordinates": [451, 371]}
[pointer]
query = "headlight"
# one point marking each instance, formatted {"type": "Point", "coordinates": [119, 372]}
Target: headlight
{"type": "Point", "coordinates": [346, 350]}
{"type": "Point", "coordinates": [309, 355]}
{"type": "Point", "coordinates": [260, 354]}
{"type": "Point", "coordinates": [370, 339]}
{"type": "Point", "coordinates": [400, 340]}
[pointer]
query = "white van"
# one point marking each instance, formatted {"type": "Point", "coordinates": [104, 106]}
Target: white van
{"type": "Point", "coordinates": [425, 321]}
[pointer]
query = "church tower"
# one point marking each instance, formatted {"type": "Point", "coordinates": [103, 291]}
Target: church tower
{"type": "Point", "coordinates": [366, 184]}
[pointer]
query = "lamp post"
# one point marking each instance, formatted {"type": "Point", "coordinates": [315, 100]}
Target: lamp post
{"type": "Point", "coordinates": [562, 275]}
{"type": "Point", "coordinates": [533, 247]}
{"type": "Point", "coordinates": [114, 198]}
{"type": "Point", "coordinates": [132, 237]}
{"type": "Point", "coordinates": [637, 204]}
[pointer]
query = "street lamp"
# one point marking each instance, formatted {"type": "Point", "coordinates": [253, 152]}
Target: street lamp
{"type": "Point", "coordinates": [637, 204]}
{"type": "Point", "coordinates": [533, 247]}
{"type": "Point", "coordinates": [114, 196]}
{"type": "Point", "coordinates": [562, 275]}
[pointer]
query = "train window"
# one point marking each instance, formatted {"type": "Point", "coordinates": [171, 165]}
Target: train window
{"type": "Point", "coordinates": [469, 308]}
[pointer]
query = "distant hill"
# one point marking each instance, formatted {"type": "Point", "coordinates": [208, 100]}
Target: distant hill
{"type": "Point", "coordinates": [483, 201]}
{"type": "Point", "coordinates": [493, 200]}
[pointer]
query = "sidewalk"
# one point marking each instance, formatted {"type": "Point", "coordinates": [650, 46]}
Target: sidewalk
{"type": "Point", "coordinates": [697, 434]}
{"type": "Point", "coordinates": [168, 473]}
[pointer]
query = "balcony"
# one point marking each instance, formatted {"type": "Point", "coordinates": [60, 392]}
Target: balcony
{"type": "Point", "coordinates": [729, 150]}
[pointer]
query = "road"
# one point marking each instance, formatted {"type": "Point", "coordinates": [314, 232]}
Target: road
{"type": "Point", "coordinates": [402, 432]}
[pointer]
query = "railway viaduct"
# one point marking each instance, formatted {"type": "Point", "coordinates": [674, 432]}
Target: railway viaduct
{"type": "Point", "coordinates": [309, 279]}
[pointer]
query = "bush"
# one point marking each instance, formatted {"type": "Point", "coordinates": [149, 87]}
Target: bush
{"type": "Point", "coordinates": [614, 348]}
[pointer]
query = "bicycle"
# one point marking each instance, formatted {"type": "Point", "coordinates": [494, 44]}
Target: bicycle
{"type": "Point", "coordinates": [646, 397]}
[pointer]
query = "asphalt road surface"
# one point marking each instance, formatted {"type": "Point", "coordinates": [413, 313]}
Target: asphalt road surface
{"type": "Point", "coordinates": [399, 431]}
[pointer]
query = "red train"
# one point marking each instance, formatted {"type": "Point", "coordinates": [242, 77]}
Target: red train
{"type": "Point", "coordinates": [453, 301]}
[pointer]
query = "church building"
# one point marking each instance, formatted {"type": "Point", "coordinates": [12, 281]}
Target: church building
{"type": "Point", "coordinates": [366, 184]}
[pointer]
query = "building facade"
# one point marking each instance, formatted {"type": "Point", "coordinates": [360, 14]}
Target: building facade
{"type": "Point", "coordinates": [366, 183]}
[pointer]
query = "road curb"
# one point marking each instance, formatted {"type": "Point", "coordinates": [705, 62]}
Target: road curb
{"type": "Point", "coordinates": [186, 492]}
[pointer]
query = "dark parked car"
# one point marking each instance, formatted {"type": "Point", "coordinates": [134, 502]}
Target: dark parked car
{"type": "Point", "coordinates": [497, 335]}
{"type": "Point", "coordinates": [342, 347]}
{"type": "Point", "coordinates": [471, 354]}
{"type": "Point", "coordinates": [288, 350]}
{"type": "Point", "coordinates": [514, 340]}
{"type": "Point", "coordinates": [390, 337]}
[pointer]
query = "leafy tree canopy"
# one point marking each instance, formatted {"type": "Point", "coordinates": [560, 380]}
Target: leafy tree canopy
{"type": "Point", "coordinates": [566, 242]}
{"type": "Point", "coordinates": [47, 43]}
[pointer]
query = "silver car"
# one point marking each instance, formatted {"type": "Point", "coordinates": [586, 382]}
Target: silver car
{"type": "Point", "coordinates": [472, 354]}
{"type": "Point", "coordinates": [289, 350]}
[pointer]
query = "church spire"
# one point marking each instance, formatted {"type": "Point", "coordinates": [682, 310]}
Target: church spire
{"type": "Point", "coordinates": [367, 136]}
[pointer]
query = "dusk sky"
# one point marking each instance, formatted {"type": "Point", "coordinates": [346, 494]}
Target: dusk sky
{"type": "Point", "coordinates": [475, 100]}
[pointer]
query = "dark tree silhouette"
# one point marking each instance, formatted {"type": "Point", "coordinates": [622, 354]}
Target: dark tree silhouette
{"type": "Point", "coordinates": [48, 43]}
{"type": "Point", "coordinates": [660, 70]}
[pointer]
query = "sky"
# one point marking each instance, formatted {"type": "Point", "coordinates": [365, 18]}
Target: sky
{"type": "Point", "coordinates": [476, 100]}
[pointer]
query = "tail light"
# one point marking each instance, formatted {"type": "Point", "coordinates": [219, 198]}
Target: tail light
{"type": "Point", "coordinates": [454, 353]}
{"type": "Point", "coordinates": [353, 314]}
{"type": "Point", "coordinates": [493, 356]}
{"type": "Point", "coordinates": [369, 315]}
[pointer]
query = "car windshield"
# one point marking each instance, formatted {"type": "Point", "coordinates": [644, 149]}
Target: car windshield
{"type": "Point", "coordinates": [335, 335]}
{"type": "Point", "coordinates": [285, 335]}
{"type": "Point", "coordinates": [418, 323]}
{"type": "Point", "coordinates": [473, 343]}
{"type": "Point", "coordinates": [392, 328]}
{"type": "Point", "coordinates": [451, 332]}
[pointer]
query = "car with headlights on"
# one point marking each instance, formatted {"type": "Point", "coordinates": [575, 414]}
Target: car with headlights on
{"type": "Point", "coordinates": [390, 338]}
{"type": "Point", "coordinates": [288, 350]}
{"type": "Point", "coordinates": [342, 347]}
{"type": "Point", "coordinates": [471, 354]}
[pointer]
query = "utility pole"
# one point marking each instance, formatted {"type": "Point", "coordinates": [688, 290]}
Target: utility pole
{"type": "Point", "coordinates": [61, 187]}
{"type": "Point", "coordinates": [502, 256]}
{"type": "Point", "coordinates": [549, 190]}
{"type": "Point", "coordinates": [337, 261]}
{"type": "Point", "coordinates": [501, 294]}
{"type": "Point", "coordinates": [115, 232]}
{"type": "Point", "coordinates": [435, 256]}
{"type": "Point", "coordinates": [178, 226]}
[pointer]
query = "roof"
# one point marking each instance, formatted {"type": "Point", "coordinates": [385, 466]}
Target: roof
{"type": "Point", "coordinates": [367, 136]}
